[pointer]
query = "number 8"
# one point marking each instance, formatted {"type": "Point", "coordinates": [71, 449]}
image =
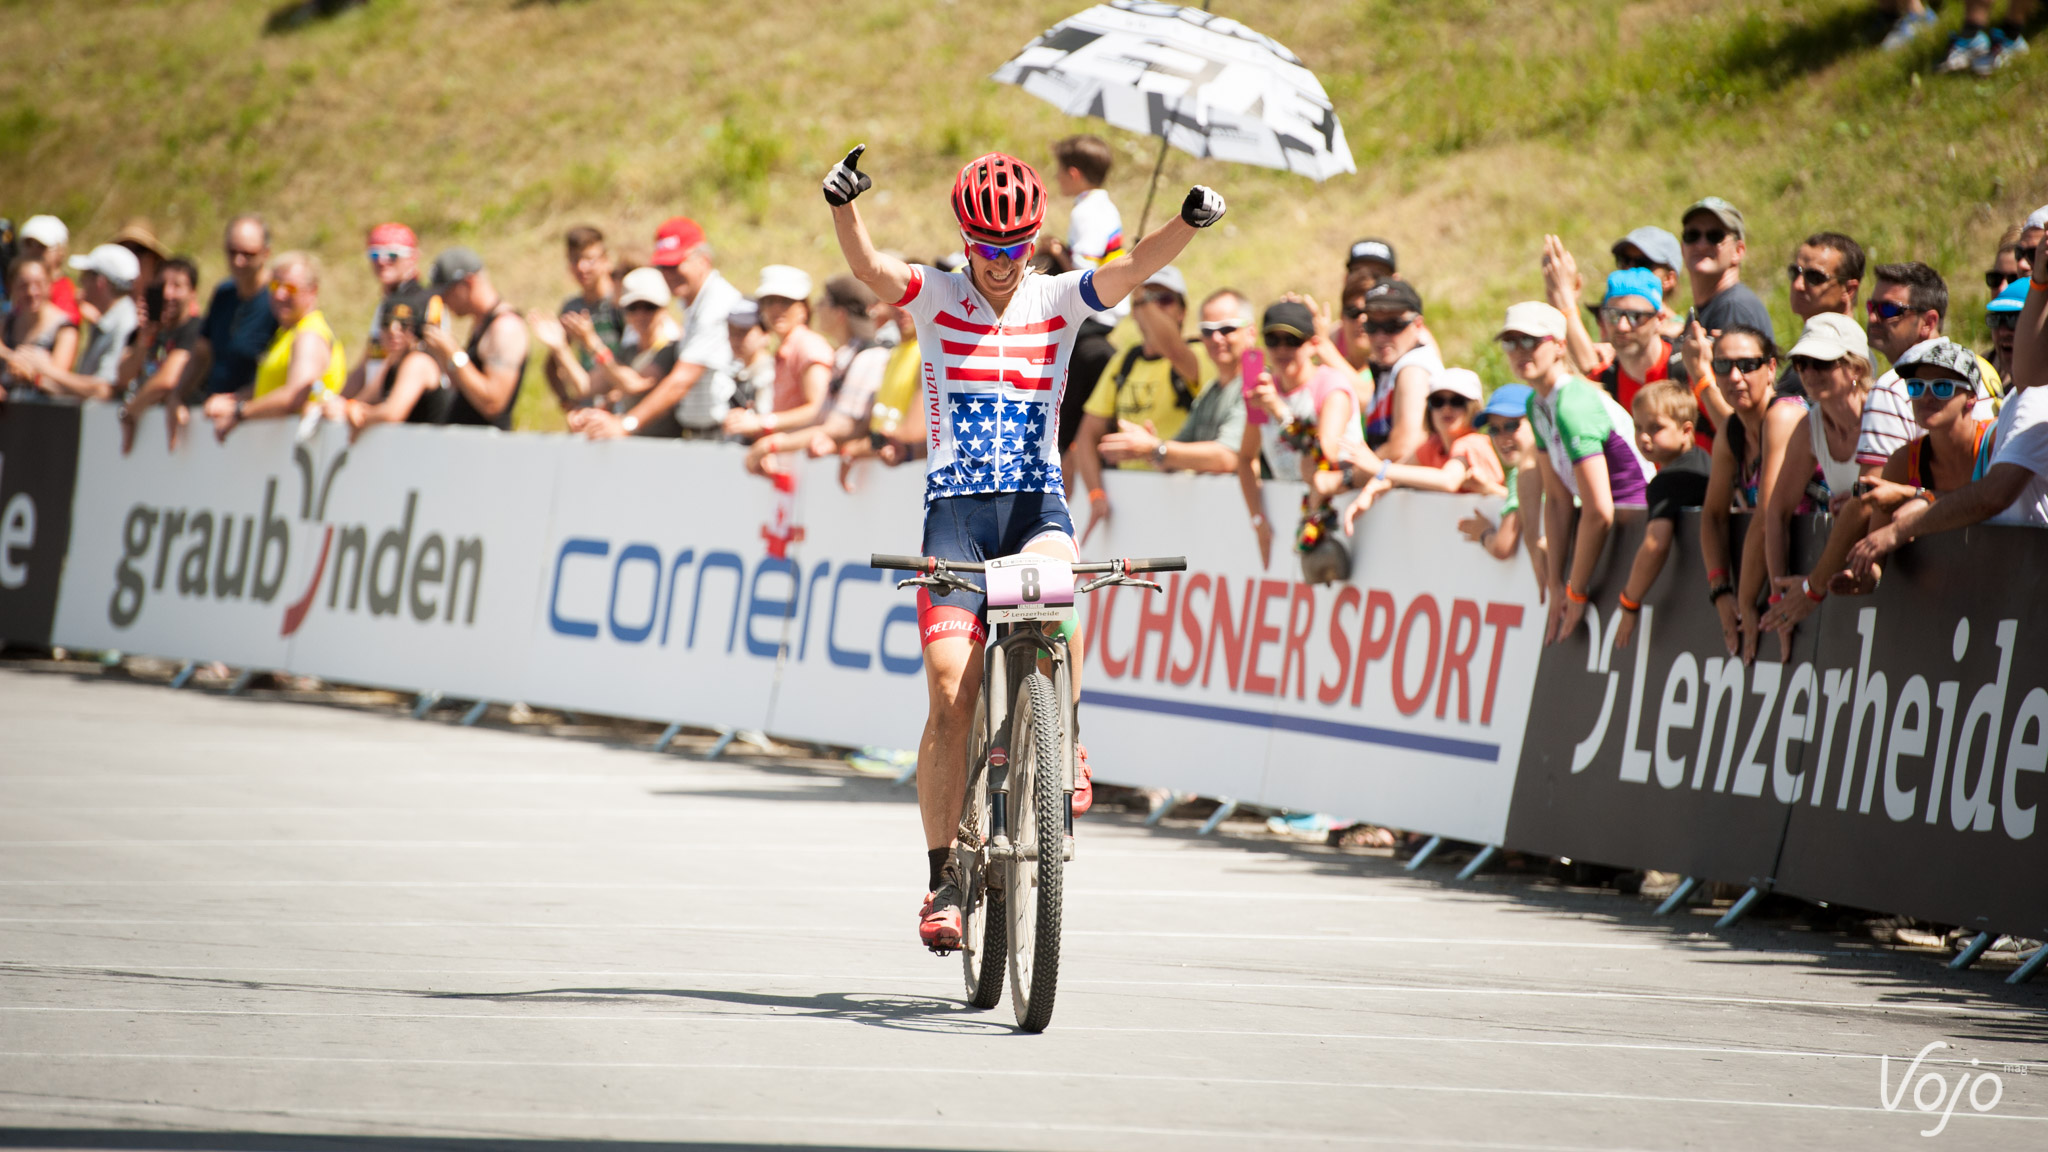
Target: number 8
{"type": "Point", "coordinates": [1029, 576]}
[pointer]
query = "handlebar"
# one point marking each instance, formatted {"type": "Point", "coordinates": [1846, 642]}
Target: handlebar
{"type": "Point", "coordinates": [929, 565]}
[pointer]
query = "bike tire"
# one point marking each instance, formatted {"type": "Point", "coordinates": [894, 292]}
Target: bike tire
{"type": "Point", "coordinates": [1037, 819]}
{"type": "Point", "coordinates": [984, 951]}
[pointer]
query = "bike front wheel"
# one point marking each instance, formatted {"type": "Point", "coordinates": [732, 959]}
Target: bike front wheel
{"type": "Point", "coordinates": [1037, 819]}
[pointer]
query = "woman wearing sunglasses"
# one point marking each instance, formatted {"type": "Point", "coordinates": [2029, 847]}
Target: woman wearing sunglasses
{"type": "Point", "coordinates": [1456, 457]}
{"type": "Point", "coordinates": [1747, 455]}
{"type": "Point", "coordinates": [1833, 362]}
{"type": "Point", "coordinates": [1943, 381]}
{"type": "Point", "coordinates": [1299, 416]}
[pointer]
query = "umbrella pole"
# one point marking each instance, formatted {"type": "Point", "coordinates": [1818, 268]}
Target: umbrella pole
{"type": "Point", "coordinates": [1152, 190]}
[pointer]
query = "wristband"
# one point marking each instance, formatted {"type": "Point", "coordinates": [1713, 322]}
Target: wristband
{"type": "Point", "coordinates": [768, 422]}
{"type": "Point", "coordinates": [1258, 519]}
{"type": "Point", "coordinates": [1775, 597]}
{"type": "Point", "coordinates": [1806, 586]}
{"type": "Point", "coordinates": [1715, 593]}
{"type": "Point", "coordinates": [1350, 473]}
{"type": "Point", "coordinates": [603, 355]}
{"type": "Point", "coordinates": [1486, 537]}
{"type": "Point", "coordinates": [1384, 465]}
{"type": "Point", "coordinates": [1717, 576]}
{"type": "Point", "coordinates": [460, 360]}
{"type": "Point", "coordinates": [1097, 494]}
{"type": "Point", "coordinates": [1628, 605]}
{"type": "Point", "coordinates": [630, 423]}
{"type": "Point", "coordinates": [1574, 595]}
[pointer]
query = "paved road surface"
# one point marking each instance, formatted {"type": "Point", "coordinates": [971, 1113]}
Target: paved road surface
{"type": "Point", "coordinates": [225, 916]}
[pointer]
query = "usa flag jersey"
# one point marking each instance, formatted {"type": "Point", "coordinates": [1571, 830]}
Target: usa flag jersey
{"type": "Point", "coordinates": [992, 385]}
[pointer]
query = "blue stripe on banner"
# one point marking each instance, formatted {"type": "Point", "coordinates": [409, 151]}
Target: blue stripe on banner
{"type": "Point", "coordinates": [1359, 733]}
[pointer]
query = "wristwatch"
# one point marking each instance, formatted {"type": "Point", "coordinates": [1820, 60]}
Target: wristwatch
{"type": "Point", "coordinates": [1159, 454]}
{"type": "Point", "coordinates": [630, 423]}
{"type": "Point", "coordinates": [1349, 473]}
{"type": "Point", "coordinates": [459, 360]}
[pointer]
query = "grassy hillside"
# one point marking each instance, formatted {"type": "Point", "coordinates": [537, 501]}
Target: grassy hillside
{"type": "Point", "coordinates": [1477, 127]}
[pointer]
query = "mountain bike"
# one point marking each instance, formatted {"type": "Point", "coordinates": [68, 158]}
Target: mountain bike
{"type": "Point", "coordinates": [1017, 824]}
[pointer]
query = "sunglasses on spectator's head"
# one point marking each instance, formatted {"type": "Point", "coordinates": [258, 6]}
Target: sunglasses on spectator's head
{"type": "Point", "coordinates": [1626, 317]}
{"type": "Point", "coordinates": [1388, 327]}
{"type": "Point", "coordinates": [1996, 281]}
{"type": "Point", "coordinates": [1886, 310]}
{"type": "Point", "coordinates": [1814, 277]}
{"type": "Point", "coordinates": [1809, 364]}
{"type": "Point", "coordinates": [1710, 235]}
{"type": "Point", "coordinates": [1279, 339]}
{"type": "Point", "coordinates": [387, 254]}
{"type": "Point", "coordinates": [1221, 327]}
{"type": "Point", "coordinates": [999, 251]}
{"type": "Point", "coordinates": [1521, 341]}
{"type": "Point", "coordinates": [2003, 319]}
{"type": "Point", "coordinates": [1447, 400]}
{"type": "Point", "coordinates": [1502, 425]}
{"type": "Point", "coordinates": [1942, 389]}
{"type": "Point", "coordinates": [1742, 364]}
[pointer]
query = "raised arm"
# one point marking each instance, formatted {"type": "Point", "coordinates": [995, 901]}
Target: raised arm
{"type": "Point", "coordinates": [886, 276]}
{"type": "Point", "coordinates": [1119, 278]}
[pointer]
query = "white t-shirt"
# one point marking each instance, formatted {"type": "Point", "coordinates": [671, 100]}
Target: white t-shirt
{"type": "Point", "coordinates": [2022, 437]}
{"type": "Point", "coordinates": [1095, 232]}
{"type": "Point", "coordinates": [704, 342]}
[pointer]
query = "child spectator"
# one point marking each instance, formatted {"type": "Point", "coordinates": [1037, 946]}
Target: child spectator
{"type": "Point", "coordinates": [593, 318]}
{"type": "Point", "coordinates": [1665, 417]}
{"type": "Point", "coordinates": [1095, 236]}
{"type": "Point", "coordinates": [1506, 427]}
{"type": "Point", "coordinates": [753, 366]}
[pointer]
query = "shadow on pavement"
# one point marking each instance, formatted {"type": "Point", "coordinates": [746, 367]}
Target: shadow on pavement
{"type": "Point", "coordinates": [914, 1013]}
{"type": "Point", "coordinates": [187, 1141]}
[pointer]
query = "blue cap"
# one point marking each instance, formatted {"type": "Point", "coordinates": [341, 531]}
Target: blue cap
{"type": "Point", "coordinates": [1635, 282]}
{"type": "Point", "coordinates": [2011, 298]}
{"type": "Point", "coordinates": [1508, 400]}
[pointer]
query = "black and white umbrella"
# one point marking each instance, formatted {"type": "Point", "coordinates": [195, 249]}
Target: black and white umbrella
{"type": "Point", "coordinates": [1203, 83]}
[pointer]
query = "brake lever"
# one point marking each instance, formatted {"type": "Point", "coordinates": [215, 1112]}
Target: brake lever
{"type": "Point", "coordinates": [948, 580]}
{"type": "Point", "coordinates": [1117, 578]}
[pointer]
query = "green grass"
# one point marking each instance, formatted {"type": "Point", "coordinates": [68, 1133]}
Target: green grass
{"type": "Point", "coordinates": [1477, 128]}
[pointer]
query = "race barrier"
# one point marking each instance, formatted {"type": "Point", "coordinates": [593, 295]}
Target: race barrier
{"type": "Point", "coordinates": [1895, 761]}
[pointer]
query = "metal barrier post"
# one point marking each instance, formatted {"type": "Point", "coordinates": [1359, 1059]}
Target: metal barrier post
{"type": "Point", "coordinates": [2032, 966]}
{"type": "Point", "coordinates": [1159, 811]}
{"type": "Point", "coordinates": [1422, 855]}
{"type": "Point", "coordinates": [908, 774]}
{"type": "Point", "coordinates": [1678, 896]}
{"type": "Point", "coordinates": [425, 704]}
{"type": "Point", "coordinates": [242, 680]}
{"type": "Point", "coordinates": [1223, 812]}
{"type": "Point", "coordinates": [725, 738]}
{"type": "Point", "coordinates": [1971, 951]}
{"type": "Point", "coordinates": [1741, 908]}
{"type": "Point", "coordinates": [475, 713]}
{"type": "Point", "coordinates": [184, 675]}
{"type": "Point", "coordinates": [1484, 858]}
{"type": "Point", "coordinates": [668, 736]}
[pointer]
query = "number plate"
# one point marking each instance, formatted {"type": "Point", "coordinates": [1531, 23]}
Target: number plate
{"type": "Point", "coordinates": [1029, 586]}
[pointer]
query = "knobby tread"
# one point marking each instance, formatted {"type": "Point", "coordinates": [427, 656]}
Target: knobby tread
{"type": "Point", "coordinates": [1034, 1008]}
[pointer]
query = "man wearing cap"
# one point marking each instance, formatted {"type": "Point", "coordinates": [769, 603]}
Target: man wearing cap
{"type": "Point", "coordinates": [1151, 384]}
{"type": "Point", "coordinates": [1585, 450]}
{"type": "Point", "coordinates": [1209, 439]}
{"type": "Point", "coordinates": [239, 324]}
{"type": "Point", "coordinates": [1371, 258]}
{"type": "Point", "coordinates": [1714, 245]}
{"type": "Point", "coordinates": [395, 260]}
{"type": "Point", "coordinates": [1405, 369]}
{"type": "Point", "coordinates": [2014, 489]}
{"type": "Point", "coordinates": [2003, 315]}
{"type": "Point", "coordinates": [109, 273]}
{"type": "Point", "coordinates": [695, 371]}
{"type": "Point", "coordinates": [484, 374]}
{"type": "Point", "coordinates": [1657, 252]}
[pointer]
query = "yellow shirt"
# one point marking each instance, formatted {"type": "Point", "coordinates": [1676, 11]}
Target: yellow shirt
{"type": "Point", "coordinates": [1146, 394]}
{"type": "Point", "coordinates": [270, 371]}
{"type": "Point", "coordinates": [896, 398]}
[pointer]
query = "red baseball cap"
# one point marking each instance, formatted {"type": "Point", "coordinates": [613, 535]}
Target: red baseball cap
{"type": "Point", "coordinates": [675, 239]}
{"type": "Point", "coordinates": [393, 236]}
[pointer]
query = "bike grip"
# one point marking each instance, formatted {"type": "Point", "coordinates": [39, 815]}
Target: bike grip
{"type": "Point", "coordinates": [905, 563]}
{"type": "Point", "coordinates": [1158, 564]}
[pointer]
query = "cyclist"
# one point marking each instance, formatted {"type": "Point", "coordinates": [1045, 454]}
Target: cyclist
{"type": "Point", "coordinates": [995, 338]}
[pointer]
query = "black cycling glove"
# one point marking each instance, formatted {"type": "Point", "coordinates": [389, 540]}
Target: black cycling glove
{"type": "Point", "coordinates": [846, 181]}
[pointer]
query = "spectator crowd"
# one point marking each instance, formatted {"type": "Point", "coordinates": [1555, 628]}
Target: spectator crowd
{"type": "Point", "coordinates": [1620, 399]}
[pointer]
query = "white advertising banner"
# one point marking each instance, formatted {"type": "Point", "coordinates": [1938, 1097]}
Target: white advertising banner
{"type": "Point", "coordinates": [1399, 697]}
{"type": "Point", "coordinates": [659, 580]}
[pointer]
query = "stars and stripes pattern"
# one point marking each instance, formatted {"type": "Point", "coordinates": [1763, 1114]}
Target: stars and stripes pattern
{"type": "Point", "coordinates": [998, 446]}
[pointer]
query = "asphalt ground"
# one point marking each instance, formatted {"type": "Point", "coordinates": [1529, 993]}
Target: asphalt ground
{"type": "Point", "coordinates": [249, 923]}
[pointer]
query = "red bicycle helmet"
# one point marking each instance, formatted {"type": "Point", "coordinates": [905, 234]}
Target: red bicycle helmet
{"type": "Point", "coordinates": [998, 199]}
